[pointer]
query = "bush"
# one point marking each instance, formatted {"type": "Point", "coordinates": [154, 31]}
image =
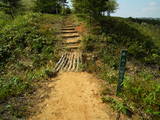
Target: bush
{"type": "Point", "coordinates": [27, 46]}
{"type": "Point", "coordinates": [23, 36]}
{"type": "Point", "coordinates": [12, 87]}
{"type": "Point", "coordinates": [4, 19]}
{"type": "Point", "coordinates": [141, 88]}
{"type": "Point", "coordinates": [21, 39]}
{"type": "Point", "coordinates": [134, 37]}
{"type": "Point", "coordinates": [142, 93]}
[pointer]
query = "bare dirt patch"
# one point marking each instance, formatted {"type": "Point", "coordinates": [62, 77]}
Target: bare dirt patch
{"type": "Point", "coordinates": [74, 96]}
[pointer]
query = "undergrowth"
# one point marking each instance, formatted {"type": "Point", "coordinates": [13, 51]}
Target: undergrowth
{"type": "Point", "coordinates": [28, 50]}
{"type": "Point", "coordinates": [4, 19]}
{"type": "Point", "coordinates": [141, 85]}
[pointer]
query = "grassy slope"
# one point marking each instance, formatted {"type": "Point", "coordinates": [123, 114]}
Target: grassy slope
{"type": "Point", "coordinates": [138, 39]}
{"type": "Point", "coordinates": [141, 84]}
{"type": "Point", "coordinates": [4, 19]}
{"type": "Point", "coordinates": [151, 26]}
{"type": "Point", "coordinates": [27, 54]}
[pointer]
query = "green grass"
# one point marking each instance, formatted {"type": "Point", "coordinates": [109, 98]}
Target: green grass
{"type": "Point", "coordinates": [141, 86]}
{"type": "Point", "coordinates": [4, 19]}
{"type": "Point", "coordinates": [117, 105]}
{"type": "Point", "coordinates": [28, 48]}
{"type": "Point", "coordinates": [141, 41]}
{"type": "Point", "coordinates": [153, 31]}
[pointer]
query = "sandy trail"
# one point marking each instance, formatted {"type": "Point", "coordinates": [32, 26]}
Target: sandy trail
{"type": "Point", "coordinates": [74, 96]}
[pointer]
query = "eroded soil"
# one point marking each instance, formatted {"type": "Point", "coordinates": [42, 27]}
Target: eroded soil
{"type": "Point", "coordinates": [74, 96]}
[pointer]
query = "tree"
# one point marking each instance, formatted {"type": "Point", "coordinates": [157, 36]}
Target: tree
{"type": "Point", "coordinates": [47, 6]}
{"type": "Point", "coordinates": [95, 8]}
{"type": "Point", "coordinates": [92, 7]}
{"type": "Point", "coordinates": [64, 6]}
{"type": "Point", "coordinates": [111, 6]}
{"type": "Point", "coordinates": [11, 6]}
{"type": "Point", "coordinates": [50, 6]}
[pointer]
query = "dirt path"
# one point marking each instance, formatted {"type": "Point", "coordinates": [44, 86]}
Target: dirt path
{"type": "Point", "coordinates": [74, 96]}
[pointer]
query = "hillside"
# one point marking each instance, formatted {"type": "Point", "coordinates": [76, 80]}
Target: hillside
{"type": "Point", "coordinates": [103, 45]}
{"type": "Point", "coordinates": [60, 66]}
{"type": "Point", "coordinates": [27, 54]}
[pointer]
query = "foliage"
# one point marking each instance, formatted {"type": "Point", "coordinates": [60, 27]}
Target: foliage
{"type": "Point", "coordinates": [28, 5]}
{"type": "Point", "coordinates": [50, 6]}
{"type": "Point", "coordinates": [134, 37]}
{"type": "Point", "coordinates": [14, 86]}
{"type": "Point", "coordinates": [11, 7]}
{"type": "Point", "coordinates": [27, 50]}
{"type": "Point", "coordinates": [108, 74]}
{"type": "Point", "coordinates": [117, 105]}
{"type": "Point", "coordinates": [28, 37]}
{"type": "Point", "coordinates": [142, 93]}
{"type": "Point", "coordinates": [67, 10]}
{"type": "Point", "coordinates": [47, 6]}
{"type": "Point", "coordinates": [111, 6]}
{"type": "Point", "coordinates": [141, 88]}
{"type": "Point", "coordinates": [93, 7]}
{"type": "Point", "coordinates": [4, 19]}
{"type": "Point", "coordinates": [152, 21]}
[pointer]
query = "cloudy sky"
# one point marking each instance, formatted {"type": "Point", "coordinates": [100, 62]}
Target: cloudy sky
{"type": "Point", "coordinates": [138, 8]}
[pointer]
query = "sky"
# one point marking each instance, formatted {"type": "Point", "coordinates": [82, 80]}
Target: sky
{"type": "Point", "coordinates": [138, 8]}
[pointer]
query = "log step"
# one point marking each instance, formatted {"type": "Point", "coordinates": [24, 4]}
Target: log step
{"type": "Point", "coordinates": [70, 36]}
{"type": "Point", "coordinates": [74, 42]}
{"type": "Point", "coordinates": [69, 28]}
{"type": "Point", "coordinates": [69, 31]}
{"type": "Point", "coordinates": [69, 62]}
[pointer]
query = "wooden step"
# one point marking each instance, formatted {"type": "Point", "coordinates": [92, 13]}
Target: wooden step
{"type": "Point", "coordinates": [70, 36]}
{"type": "Point", "coordinates": [72, 47]}
{"type": "Point", "coordinates": [68, 28]}
{"type": "Point", "coordinates": [68, 31]}
{"type": "Point", "coordinates": [74, 42]}
{"type": "Point", "coordinates": [69, 62]}
{"type": "Point", "coordinates": [72, 39]}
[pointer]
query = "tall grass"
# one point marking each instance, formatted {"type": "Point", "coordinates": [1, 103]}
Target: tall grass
{"type": "Point", "coordinates": [28, 47]}
{"type": "Point", "coordinates": [4, 19]}
{"type": "Point", "coordinates": [141, 84]}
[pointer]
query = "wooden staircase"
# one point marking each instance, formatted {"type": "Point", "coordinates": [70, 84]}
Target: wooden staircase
{"type": "Point", "coordinates": [71, 59]}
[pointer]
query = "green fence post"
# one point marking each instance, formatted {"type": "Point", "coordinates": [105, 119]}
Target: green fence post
{"type": "Point", "coordinates": [123, 61]}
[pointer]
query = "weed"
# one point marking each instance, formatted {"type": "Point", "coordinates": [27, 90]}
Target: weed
{"type": "Point", "coordinates": [117, 105]}
{"type": "Point", "coordinates": [141, 89]}
{"type": "Point", "coordinates": [27, 56]}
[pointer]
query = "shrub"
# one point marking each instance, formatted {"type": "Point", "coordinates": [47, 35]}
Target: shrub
{"type": "Point", "coordinates": [4, 19]}
{"type": "Point", "coordinates": [142, 93]}
{"type": "Point", "coordinates": [27, 49]}
{"type": "Point", "coordinates": [11, 87]}
{"type": "Point", "coordinates": [134, 37]}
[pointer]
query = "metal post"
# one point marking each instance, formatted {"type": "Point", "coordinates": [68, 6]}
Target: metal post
{"type": "Point", "coordinates": [123, 61]}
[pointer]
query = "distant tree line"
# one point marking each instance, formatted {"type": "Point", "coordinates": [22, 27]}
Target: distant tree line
{"type": "Point", "coordinates": [12, 7]}
{"type": "Point", "coordinates": [95, 7]}
{"type": "Point", "coordinates": [146, 20]}
{"type": "Point", "coordinates": [50, 6]}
